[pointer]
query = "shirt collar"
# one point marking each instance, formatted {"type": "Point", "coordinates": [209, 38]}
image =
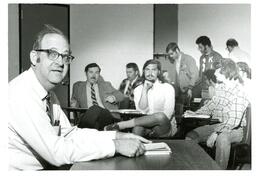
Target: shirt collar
{"type": "Point", "coordinates": [179, 59]}
{"type": "Point", "coordinates": [157, 82]}
{"type": "Point", "coordinates": [89, 84]}
{"type": "Point", "coordinates": [36, 85]}
{"type": "Point", "coordinates": [132, 82]}
{"type": "Point", "coordinates": [210, 54]}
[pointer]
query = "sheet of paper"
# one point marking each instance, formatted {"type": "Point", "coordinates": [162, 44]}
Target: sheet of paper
{"type": "Point", "coordinates": [126, 111]}
{"type": "Point", "coordinates": [203, 116]}
{"type": "Point", "coordinates": [157, 146]}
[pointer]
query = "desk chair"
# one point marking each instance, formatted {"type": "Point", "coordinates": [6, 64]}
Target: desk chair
{"type": "Point", "coordinates": [241, 152]}
{"type": "Point", "coordinates": [183, 126]}
{"type": "Point", "coordinates": [76, 112]}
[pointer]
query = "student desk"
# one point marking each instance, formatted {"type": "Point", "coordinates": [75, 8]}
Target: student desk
{"type": "Point", "coordinates": [188, 124]}
{"type": "Point", "coordinates": [186, 155]}
{"type": "Point", "coordinates": [75, 112]}
{"type": "Point", "coordinates": [124, 115]}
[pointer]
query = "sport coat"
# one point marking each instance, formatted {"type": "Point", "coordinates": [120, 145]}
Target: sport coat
{"type": "Point", "coordinates": [188, 73]}
{"type": "Point", "coordinates": [136, 83]}
{"type": "Point", "coordinates": [79, 94]}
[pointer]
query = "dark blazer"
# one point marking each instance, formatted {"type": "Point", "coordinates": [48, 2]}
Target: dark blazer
{"type": "Point", "coordinates": [135, 84]}
{"type": "Point", "coordinates": [79, 94]}
{"type": "Point", "coordinates": [128, 102]}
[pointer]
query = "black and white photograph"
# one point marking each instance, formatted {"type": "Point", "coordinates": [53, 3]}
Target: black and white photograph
{"type": "Point", "coordinates": [140, 86]}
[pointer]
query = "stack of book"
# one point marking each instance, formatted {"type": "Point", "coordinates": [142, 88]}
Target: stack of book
{"type": "Point", "coordinates": [157, 149]}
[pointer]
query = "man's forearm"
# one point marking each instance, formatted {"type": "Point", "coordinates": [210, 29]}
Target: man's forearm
{"type": "Point", "coordinates": [143, 103]}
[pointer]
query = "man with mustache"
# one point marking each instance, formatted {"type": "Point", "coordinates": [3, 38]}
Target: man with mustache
{"type": "Point", "coordinates": [156, 99]}
{"type": "Point", "coordinates": [98, 96]}
{"type": "Point", "coordinates": [209, 59]}
{"type": "Point", "coordinates": [40, 135]}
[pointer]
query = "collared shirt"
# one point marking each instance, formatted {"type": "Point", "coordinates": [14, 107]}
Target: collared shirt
{"type": "Point", "coordinates": [128, 82]}
{"type": "Point", "coordinates": [228, 106]}
{"type": "Point", "coordinates": [178, 64]}
{"type": "Point", "coordinates": [160, 99]}
{"type": "Point", "coordinates": [31, 133]}
{"type": "Point", "coordinates": [97, 94]}
{"type": "Point", "coordinates": [239, 55]}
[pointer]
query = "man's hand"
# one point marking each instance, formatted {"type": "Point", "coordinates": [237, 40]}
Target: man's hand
{"type": "Point", "coordinates": [189, 93]}
{"type": "Point", "coordinates": [111, 99]}
{"type": "Point", "coordinates": [121, 135]}
{"type": "Point", "coordinates": [147, 85]}
{"type": "Point", "coordinates": [211, 139]}
{"type": "Point", "coordinates": [73, 103]}
{"type": "Point", "coordinates": [129, 147]}
{"type": "Point", "coordinates": [189, 112]}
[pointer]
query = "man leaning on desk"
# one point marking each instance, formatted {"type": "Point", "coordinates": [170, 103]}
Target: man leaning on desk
{"type": "Point", "coordinates": [40, 135]}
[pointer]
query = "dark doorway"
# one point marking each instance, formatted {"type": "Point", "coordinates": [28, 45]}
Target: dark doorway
{"type": "Point", "coordinates": [32, 19]}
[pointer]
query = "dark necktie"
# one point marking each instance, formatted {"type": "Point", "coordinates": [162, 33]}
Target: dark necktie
{"type": "Point", "coordinates": [93, 95]}
{"type": "Point", "coordinates": [48, 107]}
{"type": "Point", "coordinates": [49, 110]}
{"type": "Point", "coordinates": [129, 89]}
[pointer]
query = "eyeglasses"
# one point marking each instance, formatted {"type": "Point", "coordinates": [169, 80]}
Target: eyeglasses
{"type": "Point", "coordinates": [53, 55]}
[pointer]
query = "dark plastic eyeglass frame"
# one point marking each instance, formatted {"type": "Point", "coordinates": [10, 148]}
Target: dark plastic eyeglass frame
{"type": "Point", "coordinates": [48, 51]}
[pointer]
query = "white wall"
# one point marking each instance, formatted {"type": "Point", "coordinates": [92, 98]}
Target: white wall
{"type": "Point", "coordinates": [112, 36]}
{"type": "Point", "coordinates": [218, 22]}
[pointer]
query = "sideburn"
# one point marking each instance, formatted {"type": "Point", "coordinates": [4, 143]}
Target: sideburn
{"type": "Point", "coordinates": [38, 60]}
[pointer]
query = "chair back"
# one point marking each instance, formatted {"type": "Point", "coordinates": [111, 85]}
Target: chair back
{"type": "Point", "coordinates": [247, 128]}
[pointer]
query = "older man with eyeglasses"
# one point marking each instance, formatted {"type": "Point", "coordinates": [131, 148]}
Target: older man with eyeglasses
{"type": "Point", "coordinates": [40, 135]}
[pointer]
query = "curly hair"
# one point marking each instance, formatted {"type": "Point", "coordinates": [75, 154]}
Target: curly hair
{"type": "Point", "coordinates": [243, 66]}
{"type": "Point", "coordinates": [230, 70]}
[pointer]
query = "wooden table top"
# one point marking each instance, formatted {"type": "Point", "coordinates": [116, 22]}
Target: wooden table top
{"type": "Point", "coordinates": [186, 155]}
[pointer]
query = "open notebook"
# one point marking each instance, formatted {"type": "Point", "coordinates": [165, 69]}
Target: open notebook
{"type": "Point", "coordinates": [157, 149]}
{"type": "Point", "coordinates": [202, 116]}
{"type": "Point", "coordinates": [126, 111]}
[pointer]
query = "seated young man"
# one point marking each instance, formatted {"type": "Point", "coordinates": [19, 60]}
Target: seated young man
{"type": "Point", "coordinates": [154, 98]}
{"type": "Point", "coordinates": [228, 105]}
{"type": "Point", "coordinates": [128, 85]}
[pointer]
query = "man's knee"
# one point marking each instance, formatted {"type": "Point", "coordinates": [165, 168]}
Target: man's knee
{"type": "Point", "coordinates": [223, 140]}
{"type": "Point", "coordinates": [161, 117]}
{"type": "Point", "coordinates": [192, 135]}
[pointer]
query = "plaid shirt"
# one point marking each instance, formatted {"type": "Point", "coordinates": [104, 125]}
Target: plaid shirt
{"type": "Point", "coordinates": [228, 106]}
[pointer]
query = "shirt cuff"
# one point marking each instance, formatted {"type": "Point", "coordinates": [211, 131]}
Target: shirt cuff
{"type": "Point", "coordinates": [109, 147]}
{"type": "Point", "coordinates": [108, 134]}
